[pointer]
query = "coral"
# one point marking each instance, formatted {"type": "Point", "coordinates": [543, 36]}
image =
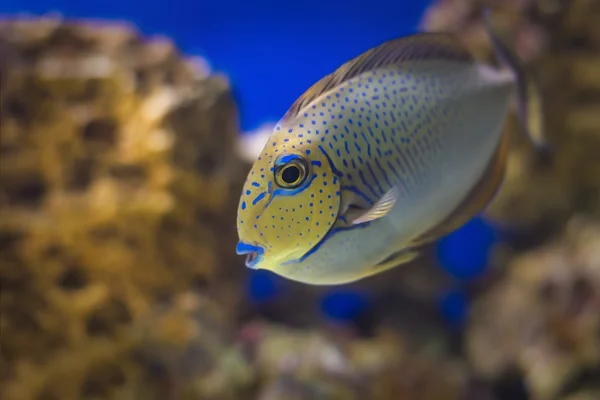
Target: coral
{"type": "Point", "coordinates": [119, 181]}
{"type": "Point", "coordinates": [560, 43]}
{"type": "Point", "coordinates": [591, 394]}
{"type": "Point", "coordinates": [191, 342]}
{"type": "Point", "coordinates": [118, 189]}
{"type": "Point", "coordinates": [311, 364]}
{"type": "Point", "coordinates": [542, 317]}
{"type": "Point", "coordinates": [541, 314]}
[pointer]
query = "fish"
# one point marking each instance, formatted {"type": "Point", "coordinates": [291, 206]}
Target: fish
{"type": "Point", "coordinates": [393, 150]}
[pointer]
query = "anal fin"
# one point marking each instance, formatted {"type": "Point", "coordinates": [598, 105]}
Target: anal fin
{"type": "Point", "coordinates": [476, 200]}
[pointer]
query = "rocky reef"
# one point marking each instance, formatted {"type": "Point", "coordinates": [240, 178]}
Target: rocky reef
{"type": "Point", "coordinates": [118, 190]}
{"type": "Point", "coordinates": [314, 365]}
{"type": "Point", "coordinates": [119, 181]}
{"type": "Point", "coordinates": [542, 316]}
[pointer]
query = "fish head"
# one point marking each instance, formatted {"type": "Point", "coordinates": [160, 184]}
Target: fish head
{"type": "Point", "coordinates": [289, 202]}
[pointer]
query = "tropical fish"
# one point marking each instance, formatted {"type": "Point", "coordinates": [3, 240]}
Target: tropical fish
{"type": "Point", "coordinates": [393, 150]}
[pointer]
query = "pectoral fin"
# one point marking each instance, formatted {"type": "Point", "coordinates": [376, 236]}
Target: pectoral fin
{"type": "Point", "coordinates": [399, 258]}
{"type": "Point", "coordinates": [379, 210]}
{"type": "Point", "coordinates": [476, 200]}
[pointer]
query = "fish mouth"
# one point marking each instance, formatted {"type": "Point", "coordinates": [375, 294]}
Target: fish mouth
{"type": "Point", "coordinates": [253, 253]}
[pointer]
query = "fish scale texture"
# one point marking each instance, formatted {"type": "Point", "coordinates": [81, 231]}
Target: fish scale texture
{"type": "Point", "coordinates": [60, 359]}
{"type": "Point", "coordinates": [350, 127]}
{"type": "Point", "coordinates": [356, 120]}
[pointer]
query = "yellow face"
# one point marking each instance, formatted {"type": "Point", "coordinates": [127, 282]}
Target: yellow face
{"type": "Point", "coordinates": [289, 202]}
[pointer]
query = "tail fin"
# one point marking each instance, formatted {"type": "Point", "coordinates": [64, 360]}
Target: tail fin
{"type": "Point", "coordinates": [530, 107]}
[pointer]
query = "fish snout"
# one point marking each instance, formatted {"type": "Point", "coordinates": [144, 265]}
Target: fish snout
{"type": "Point", "coordinates": [254, 253]}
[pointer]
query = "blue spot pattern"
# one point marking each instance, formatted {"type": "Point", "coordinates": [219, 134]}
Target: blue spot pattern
{"type": "Point", "coordinates": [378, 130]}
{"type": "Point", "coordinates": [281, 218]}
{"type": "Point", "coordinates": [370, 143]}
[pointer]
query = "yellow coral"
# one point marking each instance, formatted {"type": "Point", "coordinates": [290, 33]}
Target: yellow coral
{"type": "Point", "coordinates": [118, 189]}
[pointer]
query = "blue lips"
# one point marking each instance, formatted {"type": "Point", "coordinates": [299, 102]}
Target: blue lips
{"type": "Point", "coordinates": [254, 253]}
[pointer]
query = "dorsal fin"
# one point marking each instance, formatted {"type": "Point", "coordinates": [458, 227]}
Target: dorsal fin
{"type": "Point", "coordinates": [417, 47]}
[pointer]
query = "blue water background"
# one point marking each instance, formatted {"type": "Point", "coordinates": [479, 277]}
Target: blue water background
{"type": "Point", "coordinates": [272, 51]}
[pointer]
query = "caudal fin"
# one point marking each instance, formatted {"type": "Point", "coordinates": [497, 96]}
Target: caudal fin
{"type": "Point", "coordinates": [530, 106]}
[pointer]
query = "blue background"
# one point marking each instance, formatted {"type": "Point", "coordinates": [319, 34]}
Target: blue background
{"type": "Point", "coordinates": [272, 51]}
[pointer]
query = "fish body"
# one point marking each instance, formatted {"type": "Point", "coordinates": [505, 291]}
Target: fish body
{"type": "Point", "coordinates": [396, 148]}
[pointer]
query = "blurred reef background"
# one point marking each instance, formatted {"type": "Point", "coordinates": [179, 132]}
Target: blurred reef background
{"type": "Point", "coordinates": [126, 132]}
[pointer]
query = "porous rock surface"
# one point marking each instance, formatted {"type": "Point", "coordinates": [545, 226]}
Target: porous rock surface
{"type": "Point", "coordinates": [118, 190]}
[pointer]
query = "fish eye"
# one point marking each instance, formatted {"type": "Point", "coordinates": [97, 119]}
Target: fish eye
{"type": "Point", "coordinates": [292, 173]}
